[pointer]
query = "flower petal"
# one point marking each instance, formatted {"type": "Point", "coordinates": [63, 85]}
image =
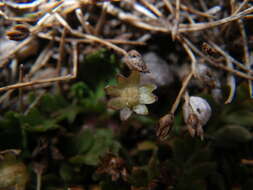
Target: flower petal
{"type": "Point", "coordinates": [134, 78]}
{"type": "Point", "coordinates": [122, 81]}
{"type": "Point", "coordinates": [125, 113]}
{"type": "Point", "coordinates": [112, 90]}
{"type": "Point", "coordinates": [116, 103]}
{"type": "Point", "coordinates": [148, 88]}
{"type": "Point", "coordinates": [140, 109]}
{"type": "Point", "coordinates": [147, 98]}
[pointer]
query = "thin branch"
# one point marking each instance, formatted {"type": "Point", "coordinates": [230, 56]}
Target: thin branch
{"type": "Point", "coordinates": [42, 59]}
{"type": "Point", "coordinates": [240, 7]}
{"type": "Point", "coordinates": [176, 21]}
{"type": "Point", "coordinates": [151, 7]}
{"type": "Point", "coordinates": [231, 83]}
{"type": "Point", "coordinates": [217, 65]}
{"type": "Point", "coordinates": [20, 92]}
{"type": "Point", "coordinates": [101, 21]}
{"type": "Point", "coordinates": [61, 52]}
{"type": "Point", "coordinates": [29, 5]}
{"type": "Point", "coordinates": [50, 80]}
{"type": "Point", "coordinates": [169, 6]}
{"type": "Point", "coordinates": [227, 56]}
{"type": "Point", "coordinates": [191, 55]}
{"type": "Point", "coordinates": [246, 52]}
{"type": "Point", "coordinates": [81, 40]}
{"type": "Point", "coordinates": [181, 93]}
{"type": "Point", "coordinates": [100, 41]}
{"type": "Point", "coordinates": [4, 59]}
{"type": "Point", "coordinates": [203, 26]}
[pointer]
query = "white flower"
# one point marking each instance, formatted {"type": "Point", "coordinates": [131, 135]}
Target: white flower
{"type": "Point", "coordinates": [130, 96]}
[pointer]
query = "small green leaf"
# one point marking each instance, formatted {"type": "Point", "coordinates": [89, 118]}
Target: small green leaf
{"type": "Point", "coordinates": [35, 121]}
{"type": "Point", "coordinates": [80, 90]}
{"type": "Point", "coordinates": [51, 103]}
{"type": "Point", "coordinates": [84, 141]}
{"type": "Point", "coordinates": [103, 143]}
{"type": "Point", "coordinates": [69, 113]}
{"type": "Point", "coordinates": [43, 127]}
{"type": "Point", "coordinates": [66, 172]}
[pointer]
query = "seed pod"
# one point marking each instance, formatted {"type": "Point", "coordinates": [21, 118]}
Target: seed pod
{"type": "Point", "coordinates": [197, 112]}
{"type": "Point", "coordinates": [164, 126]}
{"type": "Point", "coordinates": [18, 32]}
{"type": "Point", "coordinates": [135, 61]}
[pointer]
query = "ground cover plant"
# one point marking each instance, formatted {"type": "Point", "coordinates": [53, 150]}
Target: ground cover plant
{"type": "Point", "coordinates": [126, 94]}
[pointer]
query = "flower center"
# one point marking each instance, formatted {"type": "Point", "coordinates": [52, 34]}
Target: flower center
{"type": "Point", "coordinates": [131, 96]}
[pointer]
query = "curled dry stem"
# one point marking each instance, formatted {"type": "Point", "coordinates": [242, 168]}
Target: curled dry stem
{"type": "Point", "coordinates": [42, 59]}
{"type": "Point", "coordinates": [50, 80]}
{"type": "Point", "coordinates": [20, 92]}
{"type": "Point", "coordinates": [191, 55]}
{"type": "Point", "coordinates": [227, 56]}
{"type": "Point", "coordinates": [246, 53]}
{"type": "Point", "coordinates": [174, 31]}
{"type": "Point", "coordinates": [182, 28]}
{"type": "Point", "coordinates": [217, 65]}
{"type": "Point", "coordinates": [166, 122]}
{"type": "Point", "coordinates": [151, 7]}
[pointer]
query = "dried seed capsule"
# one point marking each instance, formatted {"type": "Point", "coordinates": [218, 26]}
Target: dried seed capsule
{"type": "Point", "coordinates": [18, 32]}
{"type": "Point", "coordinates": [164, 126]}
{"type": "Point", "coordinates": [197, 112]}
{"type": "Point", "coordinates": [135, 61]}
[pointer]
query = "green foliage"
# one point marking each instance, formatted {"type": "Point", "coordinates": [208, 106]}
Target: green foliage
{"type": "Point", "coordinates": [90, 147]}
{"type": "Point", "coordinates": [70, 135]}
{"type": "Point", "coordinates": [98, 67]}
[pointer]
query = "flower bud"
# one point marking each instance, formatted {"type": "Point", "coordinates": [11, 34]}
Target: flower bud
{"type": "Point", "coordinates": [135, 61]}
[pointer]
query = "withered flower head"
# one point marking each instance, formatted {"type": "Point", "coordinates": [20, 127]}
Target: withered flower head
{"type": "Point", "coordinates": [129, 95]}
{"type": "Point", "coordinates": [113, 166]}
{"type": "Point", "coordinates": [197, 112]}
